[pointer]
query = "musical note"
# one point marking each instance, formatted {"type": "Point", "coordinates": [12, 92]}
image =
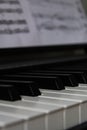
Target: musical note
{"type": "Point", "coordinates": [17, 27]}
{"type": "Point", "coordinates": [9, 2]}
{"type": "Point", "coordinates": [59, 21]}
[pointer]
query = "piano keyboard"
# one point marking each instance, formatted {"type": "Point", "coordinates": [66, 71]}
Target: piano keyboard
{"type": "Point", "coordinates": [46, 112]}
{"type": "Point", "coordinates": [10, 123]}
{"type": "Point", "coordinates": [43, 101]}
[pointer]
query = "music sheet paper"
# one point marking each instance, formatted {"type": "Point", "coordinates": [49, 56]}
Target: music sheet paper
{"type": "Point", "coordinates": [17, 27]}
{"type": "Point", "coordinates": [60, 21]}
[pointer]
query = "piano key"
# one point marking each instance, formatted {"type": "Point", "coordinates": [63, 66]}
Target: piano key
{"type": "Point", "coordinates": [70, 107]}
{"type": "Point", "coordinates": [28, 88]}
{"type": "Point", "coordinates": [80, 76]}
{"type": "Point", "coordinates": [84, 89]}
{"type": "Point", "coordinates": [69, 97]}
{"type": "Point", "coordinates": [78, 92]}
{"type": "Point", "coordinates": [52, 112]}
{"type": "Point", "coordinates": [82, 85]}
{"type": "Point", "coordinates": [9, 92]}
{"type": "Point", "coordinates": [74, 94]}
{"type": "Point", "coordinates": [67, 92]}
{"type": "Point", "coordinates": [80, 73]}
{"type": "Point", "coordinates": [29, 117]}
{"type": "Point", "coordinates": [67, 79]}
{"type": "Point", "coordinates": [11, 123]}
{"type": "Point", "coordinates": [49, 82]}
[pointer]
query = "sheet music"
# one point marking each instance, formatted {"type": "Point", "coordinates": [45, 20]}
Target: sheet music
{"type": "Point", "coordinates": [60, 21]}
{"type": "Point", "coordinates": [17, 27]}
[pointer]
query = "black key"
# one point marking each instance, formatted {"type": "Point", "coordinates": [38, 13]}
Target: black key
{"type": "Point", "coordinates": [9, 92]}
{"type": "Point", "coordinates": [81, 77]}
{"type": "Point", "coordinates": [82, 126]}
{"type": "Point", "coordinates": [26, 88]}
{"type": "Point", "coordinates": [45, 82]}
{"type": "Point", "coordinates": [67, 79]}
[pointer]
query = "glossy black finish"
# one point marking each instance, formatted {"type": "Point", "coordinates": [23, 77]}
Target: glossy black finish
{"type": "Point", "coordinates": [26, 88]}
{"type": "Point", "coordinates": [45, 82]}
{"type": "Point", "coordinates": [82, 126]}
{"type": "Point", "coordinates": [67, 79]}
{"type": "Point", "coordinates": [9, 93]}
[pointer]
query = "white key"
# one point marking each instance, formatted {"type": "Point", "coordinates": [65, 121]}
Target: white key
{"type": "Point", "coordinates": [70, 107]}
{"type": "Point", "coordinates": [70, 97]}
{"type": "Point", "coordinates": [10, 123]}
{"type": "Point", "coordinates": [67, 91]}
{"type": "Point", "coordinates": [30, 117]}
{"type": "Point", "coordinates": [84, 89]}
{"type": "Point", "coordinates": [74, 92]}
{"type": "Point", "coordinates": [82, 85]}
{"type": "Point", "coordinates": [52, 112]}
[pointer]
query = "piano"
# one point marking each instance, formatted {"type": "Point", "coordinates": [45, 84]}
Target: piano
{"type": "Point", "coordinates": [43, 87]}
